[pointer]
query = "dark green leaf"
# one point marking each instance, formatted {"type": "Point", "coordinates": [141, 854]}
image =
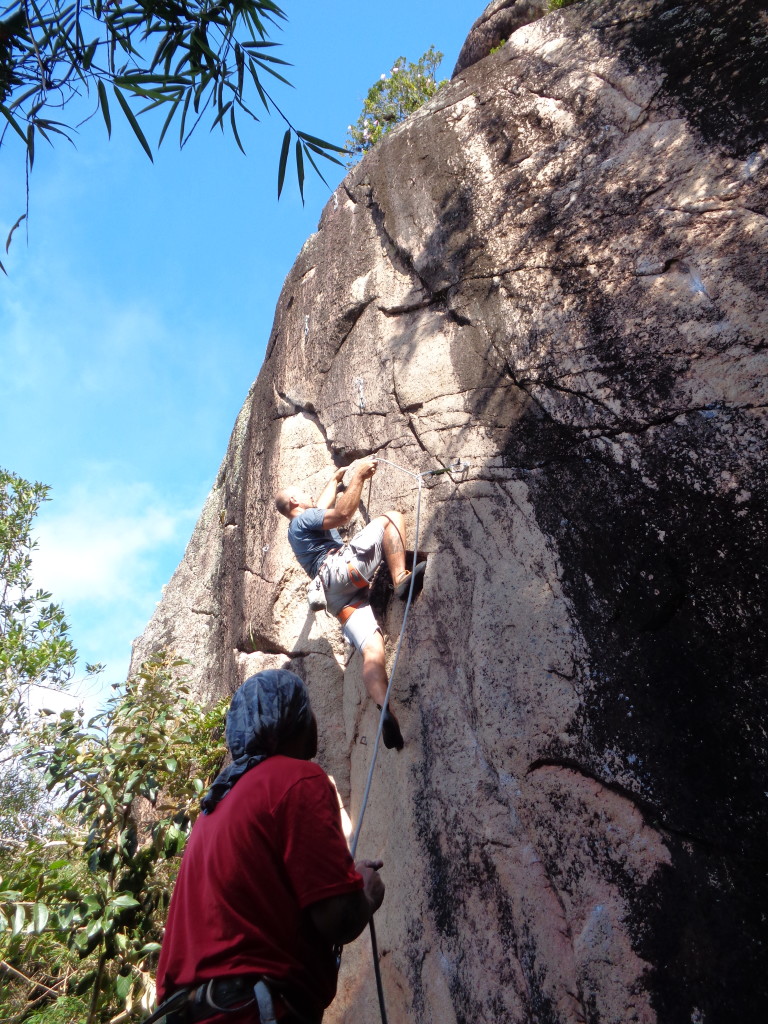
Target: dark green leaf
{"type": "Point", "coordinates": [125, 902]}
{"type": "Point", "coordinates": [123, 986]}
{"type": "Point", "coordinates": [283, 161]}
{"type": "Point", "coordinates": [218, 120]}
{"type": "Point", "coordinates": [133, 122]}
{"type": "Point", "coordinates": [317, 169]}
{"type": "Point", "coordinates": [10, 233]}
{"type": "Point", "coordinates": [93, 905]}
{"type": "Point", "coordinates": [240, 62]}
{"type": "Point", "coordinates": [12, 121]}
{"type": "Point", "coordinates": [321, 143]}
{"type": "Point", "coordinates": [271, 71]}
{"type": "Point", "coordinates": [260, 89]}
{"type": "Point", "coordinates": [104, 104]}
{"type": "Point", "coordinates": [300, 168]}
{"type": "Point", "coordinates": [234, 129]}
{"type": "Point", "coordinates": [253, 45]}
{"type": "Point", "coordinates": [90, 51]}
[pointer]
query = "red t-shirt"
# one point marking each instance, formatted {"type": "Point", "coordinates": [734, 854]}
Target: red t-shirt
{"type": "Point", "coordinates": [271, 848]}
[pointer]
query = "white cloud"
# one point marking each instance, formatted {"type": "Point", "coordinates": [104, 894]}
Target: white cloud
{"type": "Point", "coordinates": [97, 545]}
{"type": "Point", "coordinates": [105, 549]}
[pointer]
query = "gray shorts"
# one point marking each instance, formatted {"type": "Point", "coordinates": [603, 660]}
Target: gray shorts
{"type": "Point", "coordinates": [346, 574]}
{"type": "Point", "coordinates": [360, 627]}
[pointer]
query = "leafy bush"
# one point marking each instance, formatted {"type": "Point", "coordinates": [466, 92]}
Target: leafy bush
{"type": "Point", "coordinates": [82, 910]}
{"type": "Point", "coordinates": [391, 100]}
{"type": "Point", "coordinates": [34, 644]}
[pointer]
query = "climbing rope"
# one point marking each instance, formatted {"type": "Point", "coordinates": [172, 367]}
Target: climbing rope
{"type": "Point", "coordinates": [419, 477]}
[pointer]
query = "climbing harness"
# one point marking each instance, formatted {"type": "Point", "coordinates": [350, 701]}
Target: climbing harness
{"type": "Point", "coordinates": [457, 466]}
{"type": "Point", "coordinates": [230, 994]}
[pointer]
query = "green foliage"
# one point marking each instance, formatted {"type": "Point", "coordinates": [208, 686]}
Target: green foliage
{"type": "Point", "coordinates": [34, 644]}
{"type": "Point", "coordinates": [189, 58]}
{"type": "Point", "coordinates": [66, 1010]}
{"type": "Point", "coordinates": [82, 911]}
{"type": "Point", "coordinates": [24, 808]}
{"type": "Point", "coordinates": [556, 5]}
{"type": "Point", "coordinates": [391, 100]}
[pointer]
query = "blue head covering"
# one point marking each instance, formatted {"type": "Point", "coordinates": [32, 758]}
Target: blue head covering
{"type": "Point", "coordinates": [268, 709]}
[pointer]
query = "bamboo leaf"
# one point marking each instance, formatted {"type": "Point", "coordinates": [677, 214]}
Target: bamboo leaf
{"type": "Point", "coordinates": [166, 126]}
{"type": "Point", "coordinates": [25, 96]}
{"type": "Point", "coordinates": [104, 104]}
{"type": "Point", "coordinates": [240, 62]}
{"type": "Point", "coordinates": [220, 115]}
{"type": "Point", "coordinates": [317, 169]}
{"type": "Point", "coordinates": [234, 130]}
{"type": "Point", "coordinates": [254, 45]}
{"type": "Point", "coordinates": [321, 143]}
{"type": "Point", "coordinates": [187, 100]}
{"type": "Point", "coordinates": [283, 162]}
{"type": "Point", "coordinates": [13, 122]}
{"type": "Point", "coordinates": [133, 122]}
{"type": "Point", "coordinates": [272, 72]}
{"type": "Point", "coordinates": [257, 83]}
{"type": "Point", "coordinates": [300, 169]}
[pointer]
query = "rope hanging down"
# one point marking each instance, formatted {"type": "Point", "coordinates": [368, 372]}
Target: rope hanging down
{"type": "Point", "coordinates": [456, 466]}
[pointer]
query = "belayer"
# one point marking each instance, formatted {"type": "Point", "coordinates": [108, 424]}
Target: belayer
{"type": "Point", "coordinates": [267, 886]}
{"type": "Point", "coordinates": [342, 571]}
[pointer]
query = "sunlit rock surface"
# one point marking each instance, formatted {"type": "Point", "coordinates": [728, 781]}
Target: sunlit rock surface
{"type": "Point", "coordinates": [555, 271]}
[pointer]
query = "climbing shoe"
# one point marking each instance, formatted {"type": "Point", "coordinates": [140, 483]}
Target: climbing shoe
{"type": "Point", "coordinates": [390, 732]}
{"type": "Point", "coordinates": [402, 588]}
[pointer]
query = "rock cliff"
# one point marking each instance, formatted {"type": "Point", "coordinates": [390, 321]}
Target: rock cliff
{"type": "Point", "coordinates": [555, 271]}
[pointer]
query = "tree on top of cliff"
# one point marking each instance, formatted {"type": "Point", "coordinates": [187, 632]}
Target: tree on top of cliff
{"type": "Point", "coordinates": [391, 100]}
{"type": "Point", "coordinates": [190, 59]}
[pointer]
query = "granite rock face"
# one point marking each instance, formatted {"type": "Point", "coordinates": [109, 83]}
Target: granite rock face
{"type": "Point", "coordinates": [494, 27]}
{"type": "Point", "coordinates": [555, 272]}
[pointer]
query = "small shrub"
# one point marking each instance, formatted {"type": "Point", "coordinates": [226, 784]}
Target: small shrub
{"type": "Point", "coordinates": [392, 99]}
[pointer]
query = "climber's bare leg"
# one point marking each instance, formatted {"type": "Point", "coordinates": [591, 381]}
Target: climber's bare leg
{"type": "Point", "coordinates": [394, 545]}
{"type": "Point", "coordinates": [375, 678]}
{"type": "Point", "coordinates": [375, 668]}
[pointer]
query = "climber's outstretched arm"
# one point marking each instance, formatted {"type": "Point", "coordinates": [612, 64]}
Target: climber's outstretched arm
{"type": "Point", "coordinates": [345, 506]}
{"type": "Point", "coordinates": [328, 494]}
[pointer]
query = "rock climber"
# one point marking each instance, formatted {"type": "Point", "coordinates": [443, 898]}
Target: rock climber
{"type": "Point", "coordinates": [342, 571]}
{"type": "Point", "coordinates": [267, 887]}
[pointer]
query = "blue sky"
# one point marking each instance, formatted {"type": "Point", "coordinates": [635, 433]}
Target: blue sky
{"type": "Point", "coordinates": [138, 302]}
